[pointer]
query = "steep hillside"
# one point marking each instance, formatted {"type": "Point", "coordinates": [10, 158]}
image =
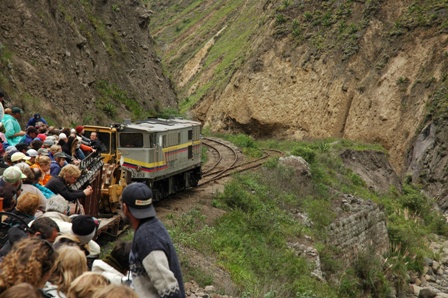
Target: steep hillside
{"type": "Point", "coordinates": [81, 61]}
{"type": "Point", "coordinates": [363, 70]}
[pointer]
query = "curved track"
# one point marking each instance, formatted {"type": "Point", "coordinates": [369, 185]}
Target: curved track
{"type": "Point", "coordinates": [225, 160]}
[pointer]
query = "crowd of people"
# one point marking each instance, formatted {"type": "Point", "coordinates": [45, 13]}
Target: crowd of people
{"type": "Point", "coordinates": [50, 248]}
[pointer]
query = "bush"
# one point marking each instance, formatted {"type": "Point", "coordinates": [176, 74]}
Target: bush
{"type": "Point", "coordinates": [350, 285]}
{"type": "Point", "coordinates": [306, 153]}
{"type": "Point", "coordinates": [369, 271]}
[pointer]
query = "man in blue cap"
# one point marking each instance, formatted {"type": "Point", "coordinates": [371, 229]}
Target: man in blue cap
{"type": "Point", "coordinates": [36, 118]}
{"type": "Point", "coordinates": [153, 260]}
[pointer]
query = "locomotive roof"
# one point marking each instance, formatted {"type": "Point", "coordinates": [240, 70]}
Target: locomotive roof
{"type": "Point", "coordinates": [157, 124]}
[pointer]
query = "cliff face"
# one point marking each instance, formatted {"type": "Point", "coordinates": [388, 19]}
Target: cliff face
{"type": "Point", "coordinates": [362, 70]}
{"type": "Point", "coordinates": [81, 61]}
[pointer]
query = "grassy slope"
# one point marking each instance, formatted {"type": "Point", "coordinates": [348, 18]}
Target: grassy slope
{"type": "Point", "coordinates": [251, 241]}
{"type": "Point", "coordinates": [181, 31]}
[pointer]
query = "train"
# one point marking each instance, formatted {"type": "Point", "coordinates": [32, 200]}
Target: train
{"type": "Point", "coordinates": [166, 154]}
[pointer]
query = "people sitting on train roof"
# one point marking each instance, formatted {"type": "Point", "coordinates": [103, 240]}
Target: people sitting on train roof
{"type": "Point", "coordinates": [53, 150]}
{"type": "Point", "coordinates": [43, 163]}
{"type": "Point", "coordinates": [86, 150]}
{"type": "Point", "coordinates": [22, 147]}
{"type": "Point", "coordinates": [114, 265]}
{"type": "Point", "coordinates": [79, 230]}
{"type": "Point", "coordinates": [43, 152]}
{"type": "Point", "coordinates": [6, 160]}
{"type": "Point", "coordinates": [68, 176]}
{"type": "Point", "coordinates": [96, 143]}
{"type": "Point", "coordinates": [9, 194]}
{"type": "Point", "coordinates": [19, 157]}
{"type": "Point", "coordinates": [45, 191]}
{"type": "Point", "coordinates": [36, 144]}
{"type": "Point", "coordinates": [42, 128]}
{"type": "Point", "coordinates": [72, 149]}
{"type": "Point", "coordinates": [36, 118]}
{"type": "Point", "coordinates": [48, 143]}
{"type": "Point", "coordinates": [31, 134]}
{"type": "Point", "coordinates": [28, 186]}
{"type": "Point", "coordinates": [13, 131]}
{"type": "Point", "coordinates": [80, 133]}
{"type": "Point", "coordinates": [13, 176]}
{"type": "Point", "coordinates": [57, 163]}
{"type": "Point", "coordinates": [26, 207]}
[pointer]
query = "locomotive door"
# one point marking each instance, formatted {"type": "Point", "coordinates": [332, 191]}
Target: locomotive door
{"type": "Point", "coordinates": [161, 140]}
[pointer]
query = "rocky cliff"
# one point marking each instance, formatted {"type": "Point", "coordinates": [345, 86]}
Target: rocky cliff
{"type": "Point", "coordinates": [81, 61]}
{"type": "Point", "coordinates": [362, 70]}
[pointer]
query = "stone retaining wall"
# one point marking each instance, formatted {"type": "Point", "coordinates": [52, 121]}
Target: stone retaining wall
{"type": "Point", "coordinates": [363, 226]}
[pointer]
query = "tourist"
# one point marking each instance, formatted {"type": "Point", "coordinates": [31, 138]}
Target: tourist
{"type": "Point", "coordinates": [13, 131]}
{"type": "Point", "coordinates": [153, 260]}
{"type": "Point", "coordinates": [70, 264]}
{"type": "Point", "coordinates": [87, 284]}
{"type": "Point", "coordinates": [115, 265]}
{"type": "Point", "coordinates": [30, 261]}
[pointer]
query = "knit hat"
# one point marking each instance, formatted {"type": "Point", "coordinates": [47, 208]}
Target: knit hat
{"type": "Point", "coordinates": [62, 136]}
{"type": "Point", "coordinates": [19, 156]}
{"type": "Point", "coordinates": [32, 153]}
{"type": "Point", "coordinates": [138, 199]}
{"type": "Point", "coordinates": [13, 174]}
{"type": "Point", "coordinates": [84, 227]}
{"type": "Point", "coordinates": [79, 128]}
{"type": "Point", "coordinates": [42, 136]}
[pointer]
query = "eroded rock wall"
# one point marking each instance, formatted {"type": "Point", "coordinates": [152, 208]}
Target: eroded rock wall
{"type": "Point", "coordinates": [377, 95]}
{"type": "Point", "coordinates": [53, 55]}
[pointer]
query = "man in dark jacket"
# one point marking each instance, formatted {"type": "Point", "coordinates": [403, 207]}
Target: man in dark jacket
{"type": "Point", "coordinates": [153, 260]}
{"type": "Point", "coordinates": [36, 118]}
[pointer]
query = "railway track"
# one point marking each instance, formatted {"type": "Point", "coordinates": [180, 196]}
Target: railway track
{"type": "Point", "coordinates": [226, 160]}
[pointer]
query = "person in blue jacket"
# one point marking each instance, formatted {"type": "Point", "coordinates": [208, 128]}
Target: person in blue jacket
{"type": "Point", "coordinates": [36, 118]}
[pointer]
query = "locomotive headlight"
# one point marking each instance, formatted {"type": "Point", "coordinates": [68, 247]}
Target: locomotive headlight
{"type": "Point", "coordinates": [139, 168]}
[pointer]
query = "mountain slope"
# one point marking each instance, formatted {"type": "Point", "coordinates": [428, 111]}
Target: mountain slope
{"type": "Point", "coordinates": [81, 61]}
{"type": "Point", "coordinates": [362, 70]}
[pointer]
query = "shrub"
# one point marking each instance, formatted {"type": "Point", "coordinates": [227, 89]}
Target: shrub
{"type": "Point", "coordinates": [306, 153]}
{"type": "Point", "coordinates": [349, 285]}
{"type": "Point", "coordinates": [369, 271]}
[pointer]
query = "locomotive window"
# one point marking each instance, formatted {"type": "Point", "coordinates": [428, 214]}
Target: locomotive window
{"type": "Point", "coordinates": [131, 140]}
{"type": "Point", "coordinates": [190, 135]}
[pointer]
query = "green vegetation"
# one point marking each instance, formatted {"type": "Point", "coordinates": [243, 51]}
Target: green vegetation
{"type": "Point", "coordinates": [112, 97]}
{"type": "Point", "coordinates": [252, 240]}
{"type": "Point", "coordinates": [174, 24]}
{"type": "Point", "coordinates": [330, 26]}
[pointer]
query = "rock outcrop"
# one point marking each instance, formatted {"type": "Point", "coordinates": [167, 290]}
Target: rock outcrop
{"type": "Point", "coordinates": [81, 62]}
